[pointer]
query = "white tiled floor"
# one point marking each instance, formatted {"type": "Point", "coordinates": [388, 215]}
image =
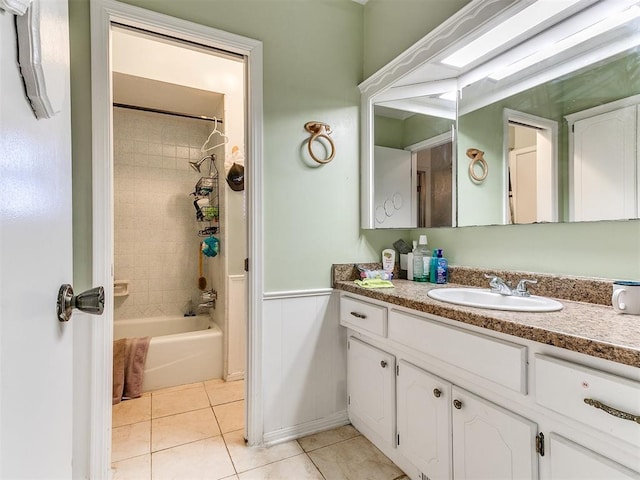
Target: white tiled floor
{"type": "Point", "coordinates": [196, 432]}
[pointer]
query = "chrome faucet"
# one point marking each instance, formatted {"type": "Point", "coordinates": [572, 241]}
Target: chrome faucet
{"type": "Point", "coordinates": [498, 285]}
{"type": "Point", "coordinates": [208, 298]}
{"type": "Point", "coordinates": [504, 288]}
{"type": "Point", "coordinates": [521, 289]}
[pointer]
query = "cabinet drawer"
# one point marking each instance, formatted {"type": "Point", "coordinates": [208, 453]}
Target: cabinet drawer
{"type": "Point", "coordinates": [563, 387]}
{"type": "Point", "coordinates": [502, 362]}
{"type": "Point", "coordinates": [363, 315]}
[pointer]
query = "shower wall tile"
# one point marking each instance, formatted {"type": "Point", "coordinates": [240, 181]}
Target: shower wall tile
{"type": "Point", "coordinates": [155, 230]}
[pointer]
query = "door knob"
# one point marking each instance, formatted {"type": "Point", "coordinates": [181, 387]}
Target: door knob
{"type": "Point", "coordinates": [457, 403]}
{"type": "Point", "coordinates": [437, 392]}
{"type": "Point", "coordinates": [91, 301]}
{"type": "Point", "coordinates": [383, 363]}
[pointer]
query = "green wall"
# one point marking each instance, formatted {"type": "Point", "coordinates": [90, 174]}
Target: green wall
{"type": "Point", "coordinates": [600, 249]}
{"type": "Point", "coordinates": [315, 52]}
{"type": "Point", "coordinates": [312, 67]}
{"type": "Point", "coordinates": [396, 133]}
{"type": "Point", "coordinates": [392, 26]}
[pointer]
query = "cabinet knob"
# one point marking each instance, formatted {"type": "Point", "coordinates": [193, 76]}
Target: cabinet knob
{"type": "Point", "coordinates": [383, 364]}
{"type": "Point", "coordinates": [437, 392]}
{"type": "Point", "coordinates": [458, 404]}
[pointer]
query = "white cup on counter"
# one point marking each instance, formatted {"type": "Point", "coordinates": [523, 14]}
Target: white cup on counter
{"type": "Point", "coordinates": [626, 297]}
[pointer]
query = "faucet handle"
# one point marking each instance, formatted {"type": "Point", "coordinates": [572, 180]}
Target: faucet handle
{"type": "Point", "coordinates": [521, 289]}
{"type": "Point", "coordinates": [494, 280]}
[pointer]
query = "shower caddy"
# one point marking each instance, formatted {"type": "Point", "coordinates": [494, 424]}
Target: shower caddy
{"type": "Point", "coordinates": [207, 201]}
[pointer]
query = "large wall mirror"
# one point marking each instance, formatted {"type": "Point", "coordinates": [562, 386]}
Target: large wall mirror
{"type": "Point", "coordinates": [548, 95]}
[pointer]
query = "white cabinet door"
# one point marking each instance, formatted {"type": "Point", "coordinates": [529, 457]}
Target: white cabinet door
{"type": "Point", "coordinates": [371, 388]}
{"type": "Point", "coordinates": [570, 461]}
{"type": "Point", "coordinates": [394, 188]}
{"type": "Point", "coordinates": [424, 420]}
{"type": "Point", "coordinates": [490, 442]}
{"type": "Point", "coordinates": [604, 166]}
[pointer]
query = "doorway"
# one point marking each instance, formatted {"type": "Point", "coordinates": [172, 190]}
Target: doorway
{"type": "Point", "coordinates": [435, 189]}
{"type": "Point", "coordinates": [530, 168]}
{"type": "Point", "coordinates": [105, 14]}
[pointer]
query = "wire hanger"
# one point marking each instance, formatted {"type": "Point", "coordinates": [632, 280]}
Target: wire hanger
{"type": "Point", "coordinates": [215, 130]}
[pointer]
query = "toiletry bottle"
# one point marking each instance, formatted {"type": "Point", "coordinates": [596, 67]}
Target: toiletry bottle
{"type": "Point", "coordinates": [432, 266]}
{"type": "Point", "coordinates": [426, 262]}
{"type": "Point", "coordinates": [419, 253]}
{"type": "Point", "coordinates": [410, 261]}
{"type": "Point", "coordinates": [442, 268]}
{"type": "Point", "coordinates": [388, 260]}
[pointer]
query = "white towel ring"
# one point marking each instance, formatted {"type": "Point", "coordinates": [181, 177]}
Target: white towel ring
{"type": "Point", "coordinates": [319, 130]}
{"type": "Point", "coordinates": [476, 157]}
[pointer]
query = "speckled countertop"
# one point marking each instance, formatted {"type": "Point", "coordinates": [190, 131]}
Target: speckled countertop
{"type": "Point", "coordinates": [589, 328]}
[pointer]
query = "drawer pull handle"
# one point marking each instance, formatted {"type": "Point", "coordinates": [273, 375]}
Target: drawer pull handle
{"type": "Point", "coordinates": [458, 404]}
{"type": "Point", "coordinates": [437, 392]}
{"type": "Point", "coordinates": [612, 411]}
{"type": "Point", "coordinates": [358, 315]}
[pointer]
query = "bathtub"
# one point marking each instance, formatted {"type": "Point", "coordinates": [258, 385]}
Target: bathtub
{"type": "Point", "coordinates": [182, 349]}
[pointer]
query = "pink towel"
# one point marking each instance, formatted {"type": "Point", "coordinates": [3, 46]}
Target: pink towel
{"type": "Point", "coordinates": [128, 367]}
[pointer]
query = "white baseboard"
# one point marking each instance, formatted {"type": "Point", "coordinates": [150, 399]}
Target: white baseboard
{"type": "Point", "coordinates": [291, 433]}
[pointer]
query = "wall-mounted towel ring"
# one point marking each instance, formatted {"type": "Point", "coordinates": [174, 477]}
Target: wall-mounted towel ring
{"type": "Point", "coordinates": [320, 130]}
{"type": "Point", "coordinates": [476, 157]}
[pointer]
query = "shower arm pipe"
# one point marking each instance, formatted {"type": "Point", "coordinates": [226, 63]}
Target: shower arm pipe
{"type": "Point", "coordinates": [196, 165]}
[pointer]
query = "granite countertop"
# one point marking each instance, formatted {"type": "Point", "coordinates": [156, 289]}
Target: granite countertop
{"type": "Point", "coordinates": [588, 328]}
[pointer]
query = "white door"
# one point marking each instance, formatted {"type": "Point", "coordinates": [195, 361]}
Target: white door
{"type": "Point", "coordinates": [490, 442]}
{"type": "Point", "coordinates": [394, 188]}
{"type": "Point", "coordinates": [424, 420]}
{"type": "Point", "coordinates": [371, 388]}
{"type": "Point", "coordinates": [524, 184]}
{"type": "Point", "coordinates": [604, 166]}
{"type": "Point", "coordinates": [35, 259]}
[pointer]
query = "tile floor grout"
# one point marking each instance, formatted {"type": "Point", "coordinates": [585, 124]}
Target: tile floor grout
{"type": "Point", "coordinates": [262, 463]}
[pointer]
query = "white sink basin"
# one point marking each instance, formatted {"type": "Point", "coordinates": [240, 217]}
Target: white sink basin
{"type": "Point", "coordinates": [475, 297]}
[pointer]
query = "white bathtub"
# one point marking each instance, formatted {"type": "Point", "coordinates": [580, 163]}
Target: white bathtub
{"type": "Point", "coordinates": [182, 349]}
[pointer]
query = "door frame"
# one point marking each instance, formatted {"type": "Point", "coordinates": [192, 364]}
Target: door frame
{"type": "Point", "coordinates": [103, 14]}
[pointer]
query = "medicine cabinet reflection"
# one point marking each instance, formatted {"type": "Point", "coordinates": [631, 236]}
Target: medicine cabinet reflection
{"type": "Point", "coordinates": [413, 160]}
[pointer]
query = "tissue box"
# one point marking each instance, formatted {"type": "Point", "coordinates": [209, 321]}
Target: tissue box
{"type": "Point", "coordinates": [403, 261]}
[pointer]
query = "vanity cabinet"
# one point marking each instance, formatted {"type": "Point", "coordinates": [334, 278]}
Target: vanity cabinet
{"type": "Point", "coordinates": [424, 420]}
{"type": "Point", "coordinates": [443, 428]}
{"type": "Point", "coordinates": [570, 461]}
{"type": "Point", "coordinates": [463, 404]}
{"type": "Point", "coordinates": [490, 441]}
{"type": "Point", "coordinates": [371, 388]}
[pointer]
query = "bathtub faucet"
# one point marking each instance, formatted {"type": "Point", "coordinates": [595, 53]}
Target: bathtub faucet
{"type": "Point", "coordinates": [208, 298]}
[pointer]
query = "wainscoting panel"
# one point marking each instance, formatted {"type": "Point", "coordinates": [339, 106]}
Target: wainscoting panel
{"type": "Point", "coordinates": [304, 362]}
{"type": "Point", "coordinates": [236, 333]}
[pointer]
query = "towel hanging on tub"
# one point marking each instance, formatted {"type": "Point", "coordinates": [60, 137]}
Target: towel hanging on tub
{"type": "Point", "coordinates": [129, 358]}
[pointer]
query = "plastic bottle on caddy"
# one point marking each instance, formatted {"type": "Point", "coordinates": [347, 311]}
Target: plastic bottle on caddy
{"type": "Point", "coordinates": [420, 255]}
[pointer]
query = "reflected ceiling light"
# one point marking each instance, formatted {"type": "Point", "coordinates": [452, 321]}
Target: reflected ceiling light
{"type": "Point", "coordinates": [569, 42]}
{"type": "Point", "coordinates": [451, 96]}
{"type": "Point", "coordinates": [511, 28]}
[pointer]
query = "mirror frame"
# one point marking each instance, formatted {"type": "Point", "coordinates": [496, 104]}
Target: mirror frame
{"type": "Point", "coordinates": [415, 71]}
{"type": "Point", "coordinates": [454, 29]}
